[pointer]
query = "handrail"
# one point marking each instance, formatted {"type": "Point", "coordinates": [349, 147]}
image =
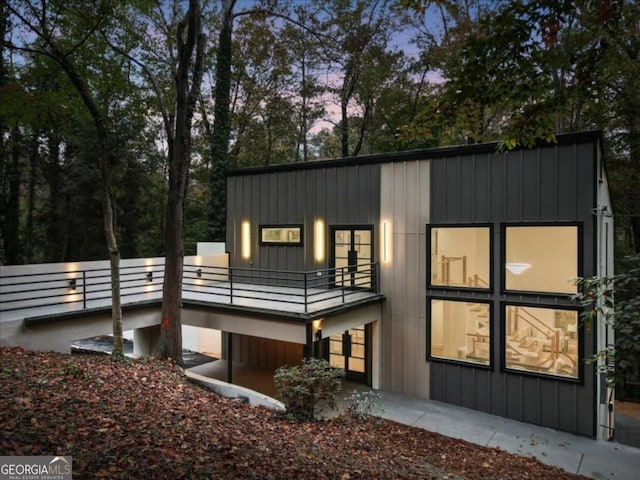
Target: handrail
{"type": "Point", "coordinates": [547, 333]}
{"type": "Point", "coordinates": [446, 268]}
{"type": "Point", "coordinates": [550, 334]}
{"type": "Point", "coordinates": [87, 288]}
{"type": "Point", "coordinates": [476, 280]}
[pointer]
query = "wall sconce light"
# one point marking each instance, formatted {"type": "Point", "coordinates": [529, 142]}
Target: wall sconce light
{"type": "Point", "coordinates": [316, 327]}
{"type": "Point", "coordinates": [149, 277]}
{"type": "Point", "coordinates": [72, 283]}
{"type": "Point", "coordinates": [386, 241]}
{"type": "Point", "coordinates": [517, 268]}
{"type": "Point", "coordinates": [319, 240]}
{"type": "Point", "coordinates": [199, 273]}
{"type": "Point", "coordinates": [246, 240]}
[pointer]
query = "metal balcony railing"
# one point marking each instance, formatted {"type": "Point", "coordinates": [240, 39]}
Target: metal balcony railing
{"type": "Point", "coordinates": [75, 290]}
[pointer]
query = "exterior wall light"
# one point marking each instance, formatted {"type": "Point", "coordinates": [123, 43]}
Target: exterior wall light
{"type": "Point", "coordinates": [72, 283]}
{"type": "Point", "coordinates": [387, 235]}
{"type": "Point", "coordinates": [319, 241]}
{"type": "Point", "coordinates": [149, 277]}
{"type": "Point", "coordinates": [316, 328]}
{"type": "Point", "coordinates": [246, 240]}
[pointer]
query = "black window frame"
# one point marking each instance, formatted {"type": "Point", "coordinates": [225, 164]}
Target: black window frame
{"type": "Point", "coordinates": [452, 361]}
{"type": "Point", "coordinates": [299, 243]}
{"type": "Point", "coordinates": [503, 257]}
{"type": "Point", "coordinates": [430, 286]}
{"type": "Point", "coordinates": [580, 334]}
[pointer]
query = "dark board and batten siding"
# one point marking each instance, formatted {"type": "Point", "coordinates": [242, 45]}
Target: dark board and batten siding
{"type": "Point", "coordinates": [549, 184]}
{"type": "Point", "coordinates": [338, 194]}
{"type": "Point", "coordinates": [457, 185]}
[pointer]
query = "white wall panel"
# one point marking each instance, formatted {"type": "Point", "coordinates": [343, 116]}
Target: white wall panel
{"type": "Point", "coordinates": [404, 190]}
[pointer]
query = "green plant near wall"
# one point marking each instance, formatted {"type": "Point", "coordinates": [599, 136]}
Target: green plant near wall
{"type": "Point", "coordinates": [621, 361]}
{"type": "Point", "coordinates": [308, 389]}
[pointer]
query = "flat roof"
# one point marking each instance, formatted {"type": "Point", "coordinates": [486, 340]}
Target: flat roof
{"type": "Point", "coordinates": [421, 154]}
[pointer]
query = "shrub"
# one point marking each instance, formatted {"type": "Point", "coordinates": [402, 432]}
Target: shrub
{"type": "Point", "coordinates": [360, 406]}
{"type": "Point", "coordinates": [308, 389]}
{"type": "Point", "coordinates": [622, 312]}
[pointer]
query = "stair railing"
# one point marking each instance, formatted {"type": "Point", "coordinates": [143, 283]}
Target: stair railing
{"type": "Point", "coordinates": [540, 326]}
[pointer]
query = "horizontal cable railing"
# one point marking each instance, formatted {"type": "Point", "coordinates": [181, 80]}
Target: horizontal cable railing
{"type": "Point", "coordinates": [73, 290]}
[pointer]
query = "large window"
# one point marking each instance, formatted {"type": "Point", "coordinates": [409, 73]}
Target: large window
{"type": "Point", "coordinates": [460, 331]}
{"type": "Point", "coordinates": [541, 340]}
{"type": "Point", "coordinates": [281, 234]}
{"type": "Point", "coordinates": [460, 257]}
{"type": "Point", "coordinates": [541, 258]}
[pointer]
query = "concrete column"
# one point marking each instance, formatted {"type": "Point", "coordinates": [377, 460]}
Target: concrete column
{"type": "Point", "coordinates": [375, 355]}
{"type": "Point", "coordinates": [229, 357]}
{"type": "Point", "coordinates": [145, 340]}
{"type": "Point", "coordinates": [307, 350]}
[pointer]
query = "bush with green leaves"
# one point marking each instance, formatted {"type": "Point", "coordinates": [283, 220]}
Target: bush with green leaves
{"type": "Point", "coordinates": [308, 389]}
{"type": "Point", "coordinates": [361, 406]}
{"type": "Point", "coordinates": [617, 300]}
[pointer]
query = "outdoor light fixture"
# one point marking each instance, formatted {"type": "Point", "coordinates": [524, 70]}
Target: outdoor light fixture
{"type": "Point", "coordinates": [319, 240]}
{"type": "Point", "coordinates": [149, 277]}
{"type": "Point", "coordinates": [246, 240]}
{"type": "Point", "coordinates": [386, 241]}
{"type": "Point", "coordinates": [517, 268]}
{"type": "Point", "coordinates": [316, 327]}
{"type": "Point", "coordinates": [72, 283]}
{"type": "Point", "coordinates": [199, 273]}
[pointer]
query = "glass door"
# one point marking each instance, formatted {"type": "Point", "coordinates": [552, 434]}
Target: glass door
{"type": "Point", "coordinates": [347, 350]}
{"type": "Point", "coordinates": [352, 256]}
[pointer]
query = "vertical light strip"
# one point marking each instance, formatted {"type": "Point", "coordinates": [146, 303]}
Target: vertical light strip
{"type": "Point", "coordinates": [386, 241]}
{"type": "Point", "coordinates": [246, 240]}
{"type": "Point", "coordinates": [319, 240]}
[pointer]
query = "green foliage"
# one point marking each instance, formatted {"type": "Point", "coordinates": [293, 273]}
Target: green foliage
{"type": "Point", "coordinates": [308, 389]}
{"type": "Point", "coordinates": [461, 72]}
{"type": "Point", "coordinates": [622, 312]}
{"type": "Point", "coordinates": [360, 406]}
{"type": "Point", "coordinates": [11, 373]}
{"type": "Point", "coordinates": [77, 371]}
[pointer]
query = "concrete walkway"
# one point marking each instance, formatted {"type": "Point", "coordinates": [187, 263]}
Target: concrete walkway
{"type": "Point", "coordinates": [575, 454]}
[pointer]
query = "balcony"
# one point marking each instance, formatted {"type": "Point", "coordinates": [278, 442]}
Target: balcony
{"type": "Point", "coordinates": [48, 292]}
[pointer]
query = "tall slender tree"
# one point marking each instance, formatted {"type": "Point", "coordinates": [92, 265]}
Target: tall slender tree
{"type": "Point", "coordinates": [221, 126]}
{"type": "Point", "coordinates": [63, 32]}
{"type": "Point", "coordinates": [188, 78]}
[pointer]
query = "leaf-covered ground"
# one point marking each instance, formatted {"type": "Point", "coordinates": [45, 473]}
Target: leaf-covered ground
{"type": "Point", "coordinates": [144, 420]}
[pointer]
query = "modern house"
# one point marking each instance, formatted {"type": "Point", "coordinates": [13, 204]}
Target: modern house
{"type": "Point", "coordinates": [443, 273]}
{"type": "Point", "coordinates": [468, 255]}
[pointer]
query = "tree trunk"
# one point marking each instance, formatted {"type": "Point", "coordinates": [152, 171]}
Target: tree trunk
{"type": "Point", "coordinates": [221, 130]}
{"type": "Point", "coordinates": [11, 222]}
{"type": "Point", "coordinates": [114, 264]}
{"type": "Point", "coordinates": [634, 154]}
{"type": "Point", "coordinates": [170, 345]}
{"type": "Point", "coordinates": [31, 198]}
{"type": "Point", "coordinates": [344, 126]}
{"type": "Point", "coordinates": [50, 49]}
{"type": "Point", "coordinates": [54, 231]}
